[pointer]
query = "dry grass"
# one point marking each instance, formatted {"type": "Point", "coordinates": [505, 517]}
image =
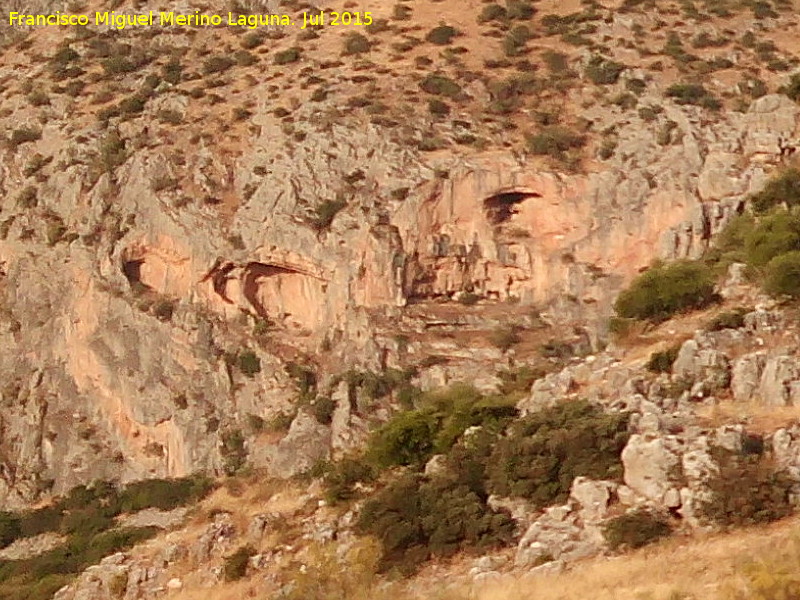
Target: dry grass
{"type": "Point", "coordinates": [758, 417]}
{"type": "Point", "coordinates": [710, 567]}
{"type": "Point", "coordinates": [733, 566]}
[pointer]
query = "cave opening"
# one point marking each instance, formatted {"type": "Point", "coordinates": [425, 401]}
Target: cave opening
{"type": "Point", "coordinates": [502, 206]}
{"type": "Point", "coordinates": [132, 269]}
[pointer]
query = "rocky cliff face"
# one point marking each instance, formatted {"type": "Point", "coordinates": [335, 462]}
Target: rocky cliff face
{"type": "Point", "coordinates": [138, 259]}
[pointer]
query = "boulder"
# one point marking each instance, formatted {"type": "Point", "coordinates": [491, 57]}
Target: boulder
{"type": "Point", "coordinates": [746, 375]}
{"type": "Point", "coordinates": [652, 465]}
{"type": "Point", "coordinates": [593, 497]}
{"type": "Point", "coordinates": [557, 535]}
{"type": "Point", "coordinates": [306, 443]}
{"type": "Point", "coordinates": [778, 381]}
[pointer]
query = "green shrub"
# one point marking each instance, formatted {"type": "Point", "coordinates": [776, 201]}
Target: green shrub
{"type": "Point", "coordinates": [343, 475]}
{"type": "Point", "coordinates": [326, 213]}
{"type": "Point", "coordinates": [217, 64]}
{"type": "Point", "coordinates": [24, 135]}
{"type": "Point", "coordinates": [234, 453]}
{"type": "Point", "coordinates": [519, 380]}
{"type": "Point", "coordinates": [521, 10]}
{"type": "Point", "coordinates": [438, 108]}
{"type": "Point", "coordinates": [356, 43]}
{"type": "Point", "coordinates": [557, 349]}
{"type": "Point", "coordinates": [285, 57]}
{"type": "Point", "coordinates": [412, 437]}
{"type": "Point", "coordinates": [40, 520]}
{"type": "Point", "coordinates": [415, 518]}
{"type": "Point", "coordinates": [111, 154]}
{"type": "Point", "coordinates": [439, 85]}
{"type": "Point", "coordinates": [664, 290]}
{"type": "Point", "coordinates": [304, 377]}
{"type": "Point", "coordinates": [377, 385]}
{"type": "Point", "coordinates": [730, 244]}
{"type": "Point", "coordinates": [781, 189]}
{"type": "Point", "coordinates": [401, 12]}
{"type": "Point", "coordinates": [792, 89]}
{"type": "Point", "coordinates": [555, 141]}
{"type": "Point", "coordinates": [747, 490]}
{"type": "Point", "coordinates": [491, 12]}
{"type": "Point", "coordinates": [603, 71]}
{"type": "Point", "coordinates": [636, 529]}
{"type": "Point", "coordinates": [782, 276]}
{"type": "Point", "coordinates": [543, 453]}
{"type": "Point", "coordinates": [730, 319]}
{"type": "Point", "coordinates": [281, 422]}
{"type": "Point", "coordinates": [40, 576]}
{"type": "Point", "coordinates": [249, 363]}
{"type": "Point", "coordinates": [408, 439]}
{"type": "Point", "coordinates": [172, 71]}
{"type": "Point", "coordinates": [557, 62]}
{"type": "Point", "coordinates": [252, 40]}
{"type": "Point", "coordinates": [693, 93]}
{"type": "Point", "coordinates": [87, 521]}
{"type": "Point", "coordinates": [323, 409]}
{"type": "Point", "coordinates": [164, 494]}
{"type": "Point", "coordinates": [118, 65]}
{"type": "Point", "coordinates": [661, 362]}
{"type": "Point", "coordinates": [441, 35]}
{"type": "Point", "coordinates": [236, 564]}
{"type": "Point", "coordinates": [10, 528]}
{"type": "Point", "coordinates": [509, 94]}
{"type": "Point", "coordinates": [504, 338]}
{"type": "Point", "coordinates": [775, 234]}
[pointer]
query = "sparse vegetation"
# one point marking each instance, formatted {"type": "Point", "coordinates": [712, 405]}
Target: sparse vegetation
{"type": "Point", "coordinates": [693, 93]}
{"type": "Point", "coordinates": [782, 189]}
{"type": "Point", "coordinates": [439, 85]}
{"type": "Point", "coordinates": [661, 362]}
{"type": "Point", "coordinates": [748, 489]}
{"type": "Point", "coordinates": [555, 141]}
{"type": "Point", "coordinates": [730, 319]}
{"type": "Point", "coordinates": [249, 363]}
{"type": "Point", "coordinates": [234, 453]}
{"type": "Point", "coordinates": [86, 517]}
{"type": "Point", "coordinates": [236, 564]}
{"type": "Point", "coordinates": [23, 135]}
{"type": "Point", "coordinates": [603, 71]}
{"type": "Point", "coordinates": [288, 56]}
{"type": "Point", "coordinates": [356, 43]}
{"type": "Point", "coordinates": [326, 213]}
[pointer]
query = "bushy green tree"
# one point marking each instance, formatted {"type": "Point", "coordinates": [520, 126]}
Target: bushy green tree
{"type": "Point", "coordinates": [783, 188]}
{"type": "Point", "coordinates": [774, 235]}
{"type": "Point", "coordinates": [663, 290]}
{"type": "Point", "coordinates": [544, 452]}
{"type": "Point", "coordinates": [415, 517]}
{"type": "Point", "coordinates": [782, 276]}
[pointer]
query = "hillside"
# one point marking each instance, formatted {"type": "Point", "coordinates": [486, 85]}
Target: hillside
{"type": "Point", "coordinates": [473, 279]}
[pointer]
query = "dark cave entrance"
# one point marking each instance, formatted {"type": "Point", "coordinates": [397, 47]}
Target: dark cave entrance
{"type": "Point", "coordinates": [502, 206]}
